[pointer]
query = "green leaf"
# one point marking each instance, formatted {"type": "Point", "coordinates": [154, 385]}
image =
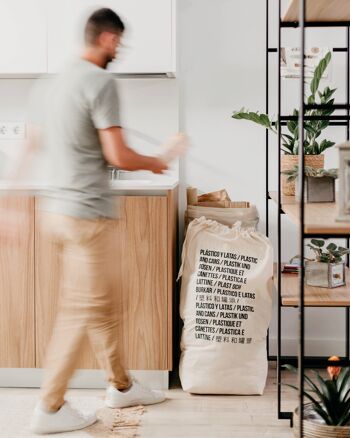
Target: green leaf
{"type": "Point", "coordinates": [265, 120]}
{"type": "Point", "coordinates": [329, 398]}
{"type": "Point", "coordinates": [343, 379]}
{"type": "Point", "coordinates": [344, 421]}
{"type": "Point", "coordinates": [256, 117]}
{"type": "Point", "coordinates": [296, 148]}
{"type": "Point", "coordinates": [292, 125]}
{"type": "Point", "coordinates": [344, 413]}
{"type": "Point", "coordinates": [290, 368]}
{"type": "Point", "coordinates": [343, 251]}
{"type": "Point", "coordinates": [311, 99]}
{"type": "Point", "coordinates": [343, 384]}
{"type": "Point", "coordinates": [317, 242]}
{"type": "Point", "coordinates": [310, 128]}
{"type": "Point", "coordinates": [332, 246]}
{"type": "Point", "coordinates": [319, 70]}
{"type": "Point", "coordinates": [288, 143]}
{"type": "Point", "coordinates": [319, 408]}
{"type": "Point", "coordinates": [307, 379]}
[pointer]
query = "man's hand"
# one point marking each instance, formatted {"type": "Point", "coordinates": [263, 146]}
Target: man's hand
{"type": "Point", "coordinates": [157, 166]}
{"type": "Point", "coordinates": [174, 147]}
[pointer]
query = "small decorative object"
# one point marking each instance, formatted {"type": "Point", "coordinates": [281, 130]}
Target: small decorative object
{"type": "Point", "coordinates": [291, 59]}
{"type": "Point", "coordinates": [328, 268]}
{"type": "Point", "coordinates": [319, 183]}
{"type": "Point", "coordinates": [344, 182]}
{"type": "Point", "coordinates": [328, 414]}
{"type": "Point", "coordinates": [313, 148]}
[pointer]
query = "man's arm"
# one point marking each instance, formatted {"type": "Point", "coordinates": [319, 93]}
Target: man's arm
{"type": "Point", "coordinates": [118, 154]}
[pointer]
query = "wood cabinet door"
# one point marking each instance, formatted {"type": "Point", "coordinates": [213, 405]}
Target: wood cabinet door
{"type": "Point", "coordinates": [148, 41]}
{"type": "Point", "coordinates": [141, 281]}
{"type": "Point", "coordinates": [47, 291]}
{"type": "Point", "coordinates": [23, 38]}
{"type": "Point", "coordinates": [17, 347]}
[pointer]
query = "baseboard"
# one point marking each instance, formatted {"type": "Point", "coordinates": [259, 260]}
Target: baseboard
{"type": "Point", "coordinates": [88, 379]}
{"type": "Point", "coordinates": [313, 347]}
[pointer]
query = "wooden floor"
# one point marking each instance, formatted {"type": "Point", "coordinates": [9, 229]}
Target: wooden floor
{"type": "Point", "coordinates": [193, 416]}
{"type": "Point", "coordinates": [189, 416]}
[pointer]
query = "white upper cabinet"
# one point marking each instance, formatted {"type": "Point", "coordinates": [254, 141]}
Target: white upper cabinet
{"type": "Point", "coordinates": [23, 41]}
{"type": "Point", "coordinates": [148, 44]}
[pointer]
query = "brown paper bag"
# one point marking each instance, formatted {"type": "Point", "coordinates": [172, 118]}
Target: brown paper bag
{"type": "Point", "coordinates": [220, 195]}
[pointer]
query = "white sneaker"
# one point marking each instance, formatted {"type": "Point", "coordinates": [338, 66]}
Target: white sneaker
{"type": "Point", "coordinates": [135, 395]}
{"type": "Point", "coordinates": [65, 419]}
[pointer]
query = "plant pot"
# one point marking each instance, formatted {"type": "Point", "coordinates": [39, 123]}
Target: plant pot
{"type": "Point", "coordinates": [318, 189]}
{"type": "Point", "coordinates": [313, 429]}
{"type": "Point", "coordinates": [327, 275]}
{"type": "Point", "coordinates": [288, 162]}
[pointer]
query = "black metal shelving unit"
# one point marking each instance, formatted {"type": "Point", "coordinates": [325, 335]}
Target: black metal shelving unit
{"type": "Point", "coordinates": [335, 120]}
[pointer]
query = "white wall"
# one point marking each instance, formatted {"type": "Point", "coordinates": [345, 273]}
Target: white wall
{"type": "Point", "coordinates": [222, 68]}
{"type": "Point", "coordinates": [149, 106]}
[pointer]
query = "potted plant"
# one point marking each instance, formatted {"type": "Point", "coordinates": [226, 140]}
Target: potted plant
{"type": "Point", "coordinates": [328, 267]}
{"type": "Point", "coordinates": [319, 183]}
{"type": "Point", "coordinates": [328, 413]}
{"type": "Point", "coordinates": [313, 148]}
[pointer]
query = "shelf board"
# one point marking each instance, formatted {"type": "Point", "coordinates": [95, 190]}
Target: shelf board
{"type": "Point", "coordinates": [320, 218]}
{"type": "Point", "coordinates": [314, 296]}
{"type": "Point", "coordinates": [319, 11]}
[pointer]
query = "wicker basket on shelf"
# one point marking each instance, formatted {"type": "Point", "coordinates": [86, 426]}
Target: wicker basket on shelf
{"type": "Point", "coordinates": [289, 161]}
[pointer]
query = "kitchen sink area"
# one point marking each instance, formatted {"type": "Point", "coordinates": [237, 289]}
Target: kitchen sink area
{"type": "Point", "coordinates": [121, 179]}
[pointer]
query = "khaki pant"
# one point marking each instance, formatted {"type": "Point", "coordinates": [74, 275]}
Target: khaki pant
{"type": "Point", "coordinates": [87, 305]}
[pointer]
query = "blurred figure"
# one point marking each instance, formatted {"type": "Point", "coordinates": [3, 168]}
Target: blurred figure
{"type": "Point", "coordinates": [82, 134]}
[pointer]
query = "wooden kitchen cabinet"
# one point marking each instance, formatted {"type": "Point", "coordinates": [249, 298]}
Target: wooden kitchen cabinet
{"type": "Point", "coordinates": [17, 347]}
{"type": "Point", "coordinates": [40, 36]}
{"type": "Point", "coordinates": [148, 41]}
{"type": "Point", "coordinates": [23, 37]}
{"type": "Point", "coordinates": [47, 288]}
{"type": "Point", "coordinates": [144, 257]}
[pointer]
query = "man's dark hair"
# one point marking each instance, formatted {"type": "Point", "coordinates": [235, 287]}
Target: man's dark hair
{"type": "Point", "coordinates": [102, 20]}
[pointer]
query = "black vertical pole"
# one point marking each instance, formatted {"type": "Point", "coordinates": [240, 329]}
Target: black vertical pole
{"type": "Point", "coordinates": [267, 112]}
{"type": "Point", "coordinates": [267, 147]}
{"type": "Point", "coordinates": [302, 217]}
{"type": "Point", "coordinates": [347, 78]}
{"type": "Point", "coordinates": [279, 334]}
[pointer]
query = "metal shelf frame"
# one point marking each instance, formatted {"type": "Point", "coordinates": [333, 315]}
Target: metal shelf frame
{"type": "Point", "coordinates": [336, 120]}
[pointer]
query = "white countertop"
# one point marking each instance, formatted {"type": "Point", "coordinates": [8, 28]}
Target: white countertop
{"type": "Point", "coordinates": [155, 183]}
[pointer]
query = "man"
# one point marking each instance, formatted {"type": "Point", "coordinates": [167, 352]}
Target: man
{"type": "Point", "coordinates": [82, 134]}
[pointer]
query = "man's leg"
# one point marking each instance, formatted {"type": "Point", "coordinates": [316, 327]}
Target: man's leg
{"type": "Point", "coordinates": [69, 330]}
{"type": "Point", "coordinates": [87, 308]}
{"type": "Point", "coordinates": [61, 359]}
{"type": "Point", "coordinates": [52, 414]}
{"type": "Point", "coordinates": [104, 319]}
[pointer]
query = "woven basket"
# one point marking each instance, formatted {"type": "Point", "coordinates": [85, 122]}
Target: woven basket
{"type": "Point", "coordinates": [315, 430]}
{"type": "Point", "coordinates": [289, 161]}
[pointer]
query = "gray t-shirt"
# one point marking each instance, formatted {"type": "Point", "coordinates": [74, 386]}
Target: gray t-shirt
{"type": "Point", "coordinates": [80, 101]}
